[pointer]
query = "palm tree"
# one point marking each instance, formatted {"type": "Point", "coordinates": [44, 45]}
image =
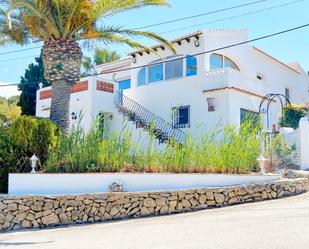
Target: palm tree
{"type": "Point", "coordinates": [61, 24]}
{"type": "Point", "coordinates": [101, 56]}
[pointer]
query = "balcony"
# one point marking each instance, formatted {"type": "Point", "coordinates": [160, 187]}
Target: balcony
{"type": "Point", "coordinates": [229, 78]}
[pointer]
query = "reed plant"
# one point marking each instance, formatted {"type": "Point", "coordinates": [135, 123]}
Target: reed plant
{"type": "Point", "coordinates": [227, 149]}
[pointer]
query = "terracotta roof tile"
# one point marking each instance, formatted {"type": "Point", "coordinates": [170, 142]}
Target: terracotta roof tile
{"type": "Point", "coordinates": [235, 89]}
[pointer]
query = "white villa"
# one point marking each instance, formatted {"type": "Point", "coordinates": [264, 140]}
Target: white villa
{"type": "Point", "coordinates": [189, 94]}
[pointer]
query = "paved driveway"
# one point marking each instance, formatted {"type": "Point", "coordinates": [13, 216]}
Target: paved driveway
{"type": "Point", "coordinates": [278, 224]}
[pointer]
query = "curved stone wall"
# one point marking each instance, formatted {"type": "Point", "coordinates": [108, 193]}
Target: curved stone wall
{"type": "Point", "coordinates": [29, 211]}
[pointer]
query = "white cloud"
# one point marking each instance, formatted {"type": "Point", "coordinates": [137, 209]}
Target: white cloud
{"type": "Point", "coordinates": [8, 91]}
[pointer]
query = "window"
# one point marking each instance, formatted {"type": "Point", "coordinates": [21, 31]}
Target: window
{"type": "Point", "coordinates": [211, 104]}
{"type": "Point", "coordinates": [141, 77]}
{"type": "Point", "coordinates": [174, 68]}
{"type": "Point", "coordinates": [246, 114]}
{"type": "Point", "coordinates": [229, 63]}
{"type": "Point", "coordinates": [219, 61]}
{"type": "Point", "coordinates": [181, 117]}
{"type": "Point", "coordinates": [191, 68]}
{"type": "Point", "coordinates": [216, 61]}
{"type": "Point", "coordinates": [155, 72]}
{"type": "Point", "coordinates": [124, 84]}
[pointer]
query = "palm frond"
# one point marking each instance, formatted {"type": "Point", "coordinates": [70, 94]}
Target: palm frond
{"type": "Point", "coordinates": [110, 38]}
{"type": "Point", "coordinates": [5, 40]}
{"type": "Point", "coordinates": [152, 36]}
{"type": "Point", "coordinates": [28, 5]}
{"type": "Point", "coordinates": [103, 8]}
{"type": "Point", "coordinates": [72, 20]}
{"type": "Point", "coordinates": [113, 30]}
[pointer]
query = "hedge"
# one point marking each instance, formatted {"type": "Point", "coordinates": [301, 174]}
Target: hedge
{"type": "Point", "coordinates": [24, 137]}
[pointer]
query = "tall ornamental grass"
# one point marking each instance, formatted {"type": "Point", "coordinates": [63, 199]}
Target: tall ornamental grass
{"type": "Point", "coordinates": [229, 149]}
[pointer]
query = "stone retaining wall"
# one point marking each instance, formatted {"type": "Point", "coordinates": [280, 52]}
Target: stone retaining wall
{"type": "Point", "coordinates": [27, 211]}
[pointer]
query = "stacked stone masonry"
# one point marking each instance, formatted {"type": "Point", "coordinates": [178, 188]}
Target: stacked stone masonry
{"type": "Point", "coordinates": [28, 211]}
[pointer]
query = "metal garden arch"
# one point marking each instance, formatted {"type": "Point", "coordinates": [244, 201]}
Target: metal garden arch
{"type": "Point", "coordinates": [269, 98]}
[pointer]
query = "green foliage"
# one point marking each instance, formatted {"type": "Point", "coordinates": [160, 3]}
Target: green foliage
{"type": "Point", "coordinates": [292, 115]}
{"type": "Point", "coordinates": [25, 136]}
{"type": "Point", "coordinates": [24, 21]}
{"type": "Point", "coordinates": [86, 65]}
{"type": "Point", "coordinates": [9, 111]}
{"type": "Point", "coordinates": [101, 56]}
{"type": "Point", "coordinates": [7, 157]}
{"type": "Point", "coordinates": [279, 151]}
{"type": "Point", "coordinates": [29, 84]}
{"type": "Point", "coordinates": [227, 150]}
{"type": "Point", "coordinates": [34, 135]}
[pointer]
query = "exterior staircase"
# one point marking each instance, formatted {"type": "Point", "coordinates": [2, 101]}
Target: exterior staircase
{"type": "Point", "coordinates": [143, 118]}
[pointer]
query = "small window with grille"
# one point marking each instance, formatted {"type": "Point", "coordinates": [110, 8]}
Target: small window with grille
{"type": "Point", "coordinates": [181, 117]}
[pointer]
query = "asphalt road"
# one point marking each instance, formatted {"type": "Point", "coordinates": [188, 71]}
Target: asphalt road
{"type": "Point", "coordinates": [278, 224]}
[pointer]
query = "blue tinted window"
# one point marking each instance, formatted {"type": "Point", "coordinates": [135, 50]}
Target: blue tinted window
{"type": "Point", "coordinates": [216, 61]}
{"type": "Point", "coordinates": [220, 61]}
{"type": "Point", "coordinates": [141, 77]}
{"type": "Point", "coordinates": [229, 63]}
{"type": "Point", "coordinates": [124, 84]}
{"type": "Point", "coordinates": [191, 66]}
{"type": "Point", "coordinates": [155, 73]}
{"type": "Point", "coordinates": [174, 68]}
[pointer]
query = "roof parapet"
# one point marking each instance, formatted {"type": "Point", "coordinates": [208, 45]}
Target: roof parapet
{"type": "Point", "coordinates": [178, 40]}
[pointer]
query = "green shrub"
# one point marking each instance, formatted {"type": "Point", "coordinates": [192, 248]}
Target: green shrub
{"type": "Point", "coordinates": [292, 115]}
{"type": "Point", "coordinates": [25, 136]}
{"type": "Point", "coordinates": [7, 158]}
{"type": "Point", "coordinates": [279, 151]}
{"type": "Point", "coordinates": [34, 135]}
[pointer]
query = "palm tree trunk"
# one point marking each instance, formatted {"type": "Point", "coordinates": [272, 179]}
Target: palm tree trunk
{"type": "Point", "coordinates": [60, 105]}
{"type": "Point", "coordinates": [62, 62]}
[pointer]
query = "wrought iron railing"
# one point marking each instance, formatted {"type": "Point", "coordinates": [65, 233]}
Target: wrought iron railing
{"type": "Point", "coordinates": [162, 129]}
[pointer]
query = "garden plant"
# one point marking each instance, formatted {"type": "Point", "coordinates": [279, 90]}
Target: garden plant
{"type": "Point", "coordinates": [292, 115]}
{"type": "Point", "coordinates": [228, 149]}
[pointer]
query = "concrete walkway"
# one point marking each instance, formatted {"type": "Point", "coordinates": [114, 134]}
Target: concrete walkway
{"type": "Point", "coordinates": [278, 224]}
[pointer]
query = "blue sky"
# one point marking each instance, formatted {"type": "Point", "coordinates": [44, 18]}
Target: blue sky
{"type": "Point", "coordinates": [288, 47]}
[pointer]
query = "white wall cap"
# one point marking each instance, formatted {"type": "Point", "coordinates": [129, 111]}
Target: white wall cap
{"type": "Point", "coordinates": [304, 121]}
{"type": "Point", "coordinates": [227, 30]}
{"type": "Point", "coordinates": [285, 130]}
{"type": "Point", "coordinates": [118, 63]}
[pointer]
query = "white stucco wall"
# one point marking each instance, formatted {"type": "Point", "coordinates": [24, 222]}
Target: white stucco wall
{"type": "Point", "coordinates": [42, 108]}
{"type": "Point", "coordinates": [94, 183]}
